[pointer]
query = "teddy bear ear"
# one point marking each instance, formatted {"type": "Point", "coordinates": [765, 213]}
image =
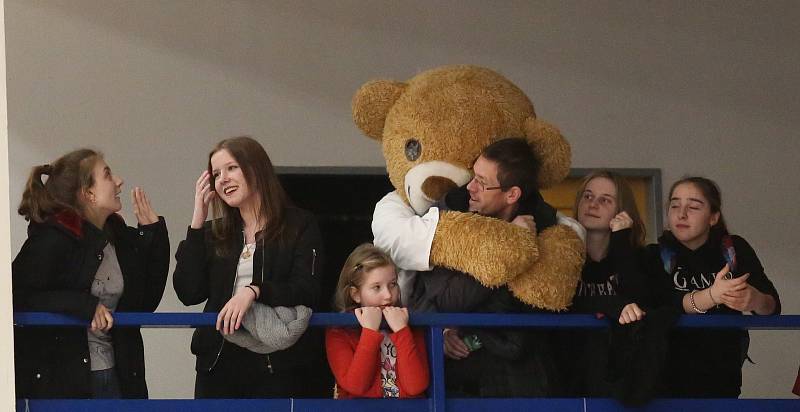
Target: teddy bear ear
{"type": "Point", "coordinates": [552, 148]}
{"type": "Point", "coordinates": [372, 103]}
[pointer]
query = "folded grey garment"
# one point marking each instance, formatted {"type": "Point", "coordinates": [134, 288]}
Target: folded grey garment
{"type": "Point", "coordinates": [266, 329]}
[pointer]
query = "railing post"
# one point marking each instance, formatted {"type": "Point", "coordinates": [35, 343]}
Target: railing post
{"type": "Point", "coordinates": [436, 362]}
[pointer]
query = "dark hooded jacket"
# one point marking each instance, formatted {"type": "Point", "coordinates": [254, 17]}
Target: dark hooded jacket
{"type": "Point", "coordinates": [704, 362]}
{"type": "Point", "coordinates": [53, 272]}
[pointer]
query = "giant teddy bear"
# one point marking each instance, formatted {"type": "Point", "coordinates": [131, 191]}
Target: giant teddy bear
{"type": "Point", "coordinates": [432, 128]}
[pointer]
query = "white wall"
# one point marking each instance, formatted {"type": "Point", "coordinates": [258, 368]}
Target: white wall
{"type": "Point", "coordinates": [6, 321]}
{"type": "Point", "coordinates": [688, 87]}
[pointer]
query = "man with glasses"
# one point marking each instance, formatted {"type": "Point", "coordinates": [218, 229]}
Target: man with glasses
{"type": "Point", "coordinates": [492, 362]}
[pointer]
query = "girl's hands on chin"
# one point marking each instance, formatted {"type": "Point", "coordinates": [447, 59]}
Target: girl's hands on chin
{"type": "Point", "coordinates": [397, 318]}
{"type": "Point", "coordinates": [203, 193]}
{"type": "Point", "coordinates": [369, 317]}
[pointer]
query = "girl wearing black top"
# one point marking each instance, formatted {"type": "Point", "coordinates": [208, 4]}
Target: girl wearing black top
{"type": "Point", "coordinates": [262, 249]}
{"type": "Point", "coordinates": [82, 260]}
{"type": "Point", "coordinates": [611, 282]}
{"type": "Point", "coordinates": [700, 269]}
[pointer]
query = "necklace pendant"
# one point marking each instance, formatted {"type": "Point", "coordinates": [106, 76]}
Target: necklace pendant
{"type": "Point", "coordinates": [246, 254]}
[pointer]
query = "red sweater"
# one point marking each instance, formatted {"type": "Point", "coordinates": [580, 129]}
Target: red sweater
{"type": "Point", "coordinates": [355, 356]}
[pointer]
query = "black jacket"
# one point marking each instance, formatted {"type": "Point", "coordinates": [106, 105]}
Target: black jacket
{"type": "Point", "coordinates": [610, 284]}
{"type": "Point", "coordinates": [605, 288]}
{"type": "Point", "coordinates": [714, 356]}
{"type": "Point", "coordinates": [285, 269]}
{"type": "Point", "coordinates": [53, 272]}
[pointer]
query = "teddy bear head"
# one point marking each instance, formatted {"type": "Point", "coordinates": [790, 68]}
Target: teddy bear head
{"type": "Point", "coordinates": [436, 124]}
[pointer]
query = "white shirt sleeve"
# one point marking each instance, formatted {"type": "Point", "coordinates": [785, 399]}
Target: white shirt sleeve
{"type": "Point", "coordinates": [572, 224]}
{"type": "Point", "coordinates": [403, 234]}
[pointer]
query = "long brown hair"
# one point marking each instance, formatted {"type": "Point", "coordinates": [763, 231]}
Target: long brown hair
{"type": "Point", "coordinates": [261, 178]}
{"type": "Point", "coordinates": [626, 202]}
{"type": "Point", "coordinates": [67, 178]}
{"type": "Point", "coordinates": [362, 259]}
{"type": "Point", "coordinates": [711, 192]}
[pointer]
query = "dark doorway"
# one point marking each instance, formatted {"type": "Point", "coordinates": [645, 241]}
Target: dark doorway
{"type": "Point", "coordinates": [343, 199]}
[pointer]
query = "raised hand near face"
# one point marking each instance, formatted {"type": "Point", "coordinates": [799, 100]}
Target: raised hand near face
{"type": "Point", "coordinates": [145, 214]}
{"type": "Point", "coordinates": [203, 193]}
{"type": "Point", "coordinates": [620, 221]}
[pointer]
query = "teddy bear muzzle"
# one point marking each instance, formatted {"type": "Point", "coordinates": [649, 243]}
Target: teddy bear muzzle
{"type": "Point", "coordinates": [428, 182]}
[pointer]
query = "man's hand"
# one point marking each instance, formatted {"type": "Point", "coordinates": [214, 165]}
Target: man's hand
{"type": "Point", "coordinates": [454, 347]}
{"type": "Point", "coordinates": [525, 221]}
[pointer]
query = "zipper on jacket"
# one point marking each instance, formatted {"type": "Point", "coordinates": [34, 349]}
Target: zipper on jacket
{"type": "Point", "coordinates": [221, 345]}
{"type": "Point", "coordinates": [269, 365]}
{"type": "Point", "coordinates": [233, 290]}
{"type": "Point", "coordinates": [313, 260]}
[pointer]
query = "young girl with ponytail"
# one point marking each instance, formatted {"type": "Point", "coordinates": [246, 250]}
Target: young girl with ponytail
{"type": "Point", "coordinates": [80, 259]}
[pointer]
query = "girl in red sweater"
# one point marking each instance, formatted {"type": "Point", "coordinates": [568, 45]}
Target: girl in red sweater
{"type": "Point", "coordinates": [369, 362]}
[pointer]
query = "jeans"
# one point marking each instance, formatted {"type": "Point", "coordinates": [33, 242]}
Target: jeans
{"type": "Point", "coordinates": [105, 384]}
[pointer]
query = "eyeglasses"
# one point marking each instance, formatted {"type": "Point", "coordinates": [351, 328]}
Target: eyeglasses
{"type": "Point", "coordinates": [483, 187]}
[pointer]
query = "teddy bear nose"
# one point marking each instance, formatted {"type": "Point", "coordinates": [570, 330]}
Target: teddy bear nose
{"type": "Point", "coordinates": [435, 187]}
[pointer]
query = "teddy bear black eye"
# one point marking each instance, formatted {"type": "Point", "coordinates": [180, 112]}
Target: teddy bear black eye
{"type": "Point", "coordinates": [413, 149]}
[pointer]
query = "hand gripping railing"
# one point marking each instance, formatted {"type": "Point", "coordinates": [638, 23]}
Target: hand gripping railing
{"type": "Point", "coordinates": [436, 401]}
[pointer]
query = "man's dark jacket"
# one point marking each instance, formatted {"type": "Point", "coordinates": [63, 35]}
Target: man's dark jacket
{"type": "Point", "coordinates": [512, 362]}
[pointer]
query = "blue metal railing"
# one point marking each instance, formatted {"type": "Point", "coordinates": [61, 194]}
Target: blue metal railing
{"type": "Point", "coordinates": [436, 401]}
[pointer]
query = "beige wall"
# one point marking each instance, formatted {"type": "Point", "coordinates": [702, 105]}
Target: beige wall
{"type": "Point", "coordinates": [687, 87]}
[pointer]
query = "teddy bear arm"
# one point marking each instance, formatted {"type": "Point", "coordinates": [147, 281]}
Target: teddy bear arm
{"type": "Point", "coordinates": [490, 250]}
{"type": "Point", "coordinates": [404, 235]}
{"type": "Point", "coordinates": [551, 281]}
